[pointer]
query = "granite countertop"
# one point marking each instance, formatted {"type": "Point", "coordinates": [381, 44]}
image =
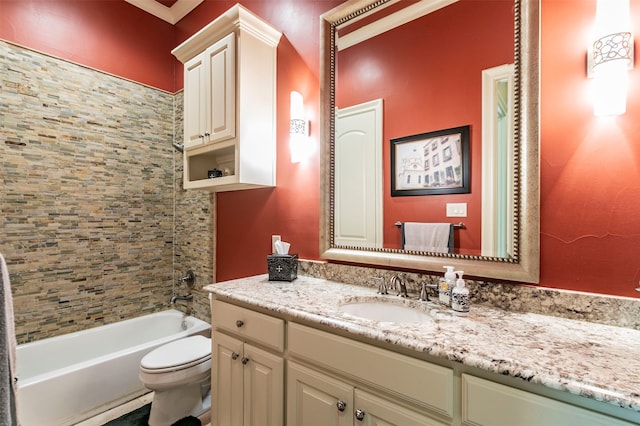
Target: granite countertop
{"type": "Point", "coordinates": [596, 361]}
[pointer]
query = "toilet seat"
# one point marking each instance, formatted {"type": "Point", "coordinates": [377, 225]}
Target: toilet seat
{"type": "Point", "coordinates": [177, 355]}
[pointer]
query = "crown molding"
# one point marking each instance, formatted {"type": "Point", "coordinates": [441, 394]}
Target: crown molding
{"type": "Point", "coordinates": [169, 14]}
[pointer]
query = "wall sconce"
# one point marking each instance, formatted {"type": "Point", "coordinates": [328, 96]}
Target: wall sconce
{"type": "Point", "coordinates": [299, 143]}
{"type": "Point", "coordinates": [610, 56]}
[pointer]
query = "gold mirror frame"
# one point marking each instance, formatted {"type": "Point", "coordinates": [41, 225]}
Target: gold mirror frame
{"type": "Point", "coordinates": [525, 265]}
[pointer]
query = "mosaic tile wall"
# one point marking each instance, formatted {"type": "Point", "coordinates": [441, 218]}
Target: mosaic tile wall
{"type": "Point", "coordinates": [194, 228]}
{"type": "Point", "coordinates": [89, 199]}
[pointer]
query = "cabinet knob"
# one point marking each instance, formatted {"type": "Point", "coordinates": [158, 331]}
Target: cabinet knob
{"type": "Point", "coordinates": [201, 136]}
{"type": "Point", "coordinates": [239, 323]}
{"type": "Point", "coordinates": [207, 134]}
{"type": "Point", "coordinates": [341, 405]}
{"type": "Point", "coordinates": [234, 355]}
{"type": "Point", "coordinates": [245, 360]}
{"type": "Point", "coordinates": [359, 414]}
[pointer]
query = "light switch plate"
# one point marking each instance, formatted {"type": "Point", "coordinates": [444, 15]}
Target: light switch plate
{"type": "Point", "coordinates": [274, 238]}
{"type": "Point", "coordinates": [456, 209]}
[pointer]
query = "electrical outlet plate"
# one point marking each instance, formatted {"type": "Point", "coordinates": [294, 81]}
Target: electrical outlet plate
{"type": "Point", "coordinates": [456, 209]}
{"type": "Point", "coordinates": [274, 238]}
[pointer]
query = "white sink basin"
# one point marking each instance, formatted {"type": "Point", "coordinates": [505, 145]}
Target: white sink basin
{"type": "Point", "coordinates": [385, 311]}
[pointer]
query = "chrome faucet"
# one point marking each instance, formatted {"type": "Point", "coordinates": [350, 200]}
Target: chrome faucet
{"type": "Point", "coordinates": [398, 284]}
{"type": "Point", "coordinates": [189, 279]}
{"type": "Point", "coordinates": [424, 292]}
{"type": "Point", "coordinates": [382, 287]}
{"type": "Point", "coordinates": [175, 298]}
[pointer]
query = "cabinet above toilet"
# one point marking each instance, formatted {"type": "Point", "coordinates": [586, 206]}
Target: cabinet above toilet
{"type": "Point", "coordinates": [230, 103]}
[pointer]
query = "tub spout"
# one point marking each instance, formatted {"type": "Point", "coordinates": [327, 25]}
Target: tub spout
{"type": "Point", "coordinates": [175, 298]}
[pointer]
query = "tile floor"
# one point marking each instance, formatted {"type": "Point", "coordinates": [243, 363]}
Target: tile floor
{"type": "Point", "coordinates": [116, 412]}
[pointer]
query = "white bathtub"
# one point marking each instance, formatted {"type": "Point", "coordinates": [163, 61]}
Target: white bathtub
{"type": "Point", "coordinates": [65, 379]}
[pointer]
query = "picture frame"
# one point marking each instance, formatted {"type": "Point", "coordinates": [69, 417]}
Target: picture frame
{"type": "Point", "coordinates": [432, 163]}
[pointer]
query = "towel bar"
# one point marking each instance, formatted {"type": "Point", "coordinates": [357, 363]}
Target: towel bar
{"type": "Point", "coordinates": [455, 225]}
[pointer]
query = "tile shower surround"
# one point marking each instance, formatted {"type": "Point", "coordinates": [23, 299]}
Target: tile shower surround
{"type": "Point", "coordinates": [92, 206]}
{"type": "Point", "coordinates": [97, 227]}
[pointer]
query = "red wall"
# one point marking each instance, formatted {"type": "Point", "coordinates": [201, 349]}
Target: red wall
{"type": "Point", "coordinates": [440, 88]}
{"type": "Point", "coordinates": [111, 36]}
{"type": "Point", "coordinates": [247, 219]}
{"type": "Point", "coordinates": [590, 166]}
{"type": "Point", "coordinates": [299, 21]}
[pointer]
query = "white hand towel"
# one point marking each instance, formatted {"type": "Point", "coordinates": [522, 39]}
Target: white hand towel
{"type": "Point", "coordinates": [432, 237]}
{"type": "Point", "coordinates": [8, 410]}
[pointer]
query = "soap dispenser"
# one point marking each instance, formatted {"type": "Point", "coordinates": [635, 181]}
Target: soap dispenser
{"type": "Point", "coordinates": [446, 284]}
{"type": "Point", "coordinates": [460, 296]}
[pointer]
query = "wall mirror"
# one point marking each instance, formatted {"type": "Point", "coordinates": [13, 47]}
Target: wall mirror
{"type": "Point", "coordinates": [445, 80]}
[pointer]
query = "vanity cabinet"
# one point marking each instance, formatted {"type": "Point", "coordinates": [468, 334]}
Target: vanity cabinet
{"type": "Point", "coordinates": [352, 383]}
{"type": "Point", "coordinates": [485, 403]}
{"type": "Point", "coordinates": [270, 370]}
{"type": "Point", "coordinates": [230, 103]}
{"type": "Point", "coordinates": [317, 399]}
{"type": "Point", "coordinates": [247, 371]}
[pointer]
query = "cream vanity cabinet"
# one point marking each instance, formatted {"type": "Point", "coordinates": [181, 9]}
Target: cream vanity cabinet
{"type": "Point", "coordinates": [486, 403]}
{"type": "Point", "coordinates": [332, 380]}
{"type": "Point", "coordinates": [230, 103]}
{"type": "Point", "coordinates": [247, 371]}
{"type": "Point", "coordinates": [335, 380]}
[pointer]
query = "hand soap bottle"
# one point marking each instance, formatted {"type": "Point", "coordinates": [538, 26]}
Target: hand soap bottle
{"type": "Point", "coordinates": [460, 295]}
{"type": "Point", "coordinates": [446, 284]}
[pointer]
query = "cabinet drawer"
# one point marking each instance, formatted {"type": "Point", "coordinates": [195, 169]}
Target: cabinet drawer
{"type": "Point", "coordinates": [259, 328]}
{"type": "Point", "coordinates": [491, 404]}
{"type": "Point", "coordinates": [419, 381]}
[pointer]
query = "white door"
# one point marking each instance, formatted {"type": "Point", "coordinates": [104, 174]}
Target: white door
{"type": "Point", "coordinates": [358, 177]}
{"type": "Point", "coordinates": [497, 161]}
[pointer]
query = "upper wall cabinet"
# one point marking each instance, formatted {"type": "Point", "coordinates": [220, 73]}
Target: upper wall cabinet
{"type": "Point", "coordinates": [230, 103]}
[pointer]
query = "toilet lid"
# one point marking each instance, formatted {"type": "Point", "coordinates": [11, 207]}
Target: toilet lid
{"type": "Point", "coordinates": [182, 352]}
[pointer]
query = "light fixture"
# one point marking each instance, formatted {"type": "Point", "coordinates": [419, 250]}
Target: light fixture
{"type": "Point", "coordinates": [610, 56]}
{"type": "Point", "coordinates": [299, 143]}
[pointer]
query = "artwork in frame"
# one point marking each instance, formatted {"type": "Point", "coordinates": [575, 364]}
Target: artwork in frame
{"type": "Point", "coordinates": [431, 163]}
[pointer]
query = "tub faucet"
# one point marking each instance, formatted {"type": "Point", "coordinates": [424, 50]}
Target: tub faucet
{"type": "Point", "coordinates": [175, 298]}
{"type": "Point", "coordinates": [189, 279]}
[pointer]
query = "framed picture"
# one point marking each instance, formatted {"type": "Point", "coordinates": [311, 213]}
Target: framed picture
{"type": "Point", "coordinates": [431, 163]}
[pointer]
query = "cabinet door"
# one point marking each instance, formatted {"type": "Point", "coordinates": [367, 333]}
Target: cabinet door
{"type": "Point", "coordinates": [485, 403]}
{"type": "Point", "coordinates": [314, 399]}
{"type": "Point", "coordinates": [226, 380]}
{"type": "Point", "coordinates": [371, 410]}
{"type": "Point", "coordinates": [263, 388]}
{"type": "Point", "coordinates": [221, 99]}
{"type": "Point", "coordinates": [195, 103]}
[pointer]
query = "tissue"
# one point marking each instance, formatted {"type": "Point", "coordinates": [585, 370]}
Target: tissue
{"type": "Point", "coordinates": [282, 247]}
{"type": "Point", "coordinates": [282, 266]}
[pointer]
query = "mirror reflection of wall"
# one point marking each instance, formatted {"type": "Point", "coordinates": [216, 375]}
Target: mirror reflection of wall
{"type": "Point", "coordinates": [429, 74]}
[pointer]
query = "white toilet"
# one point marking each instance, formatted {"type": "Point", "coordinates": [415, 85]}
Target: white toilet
{"type": "Point", "coordinates": [179, 373]}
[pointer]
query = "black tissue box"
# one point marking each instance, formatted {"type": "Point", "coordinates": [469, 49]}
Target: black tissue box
{"type": "Point", "coordinates": [282, 267]}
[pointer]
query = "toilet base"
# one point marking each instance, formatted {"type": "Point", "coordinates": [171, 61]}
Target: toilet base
{"type": "Point", "coordinates": [169, 406]}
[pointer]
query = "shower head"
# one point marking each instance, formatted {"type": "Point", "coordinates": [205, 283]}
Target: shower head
{"type": "Point", "coordinates": [178, 147]}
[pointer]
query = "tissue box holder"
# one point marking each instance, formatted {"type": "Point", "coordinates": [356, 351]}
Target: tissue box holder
{"type": "Point", "coordinates": [282, 267]}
